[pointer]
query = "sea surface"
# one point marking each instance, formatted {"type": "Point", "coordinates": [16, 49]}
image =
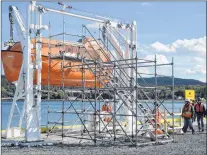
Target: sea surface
{"type": "Point", "coordinates": [68, 118]}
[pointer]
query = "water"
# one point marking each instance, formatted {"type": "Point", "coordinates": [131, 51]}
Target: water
{"type": "Point", "coordinates": [57, 105]}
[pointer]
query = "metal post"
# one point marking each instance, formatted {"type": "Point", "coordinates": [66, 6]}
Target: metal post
{"type": "Point", "coordinates": [49, 60]}
{"type": "Point", "coordinates": [137, 98]}
{"type": "Point", "coordinates": [32, 112]}
{"type": "Point", "coordinates": [63, 78]}
{"type": "Point", "coordinates": [83, 85]}
{"type": "Point", "coordinates": [134, 53]}
{"type": "Point", "coordinates": [173, 97]}
{"type": "Point", "coordinates": [39, 71]}
{"type": "Point", "coordinates": [84, 81]}
{"type": "Point", "coordinates": [114, 113]}
{"type": "Point", "coordinates": [95, 101]}
{"type": "Point", "coordinates": [129, 54]}
{"type": "Point", "coordinates": [48, 77]}
{"type": "Point", "coordinates": [155, 99]}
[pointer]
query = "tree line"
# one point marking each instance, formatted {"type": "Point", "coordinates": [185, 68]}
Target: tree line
{"type": "Point", "coordinates": [56, 92]}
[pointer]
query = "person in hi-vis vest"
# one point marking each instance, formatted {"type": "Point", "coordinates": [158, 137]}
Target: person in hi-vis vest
{"type": "Point", "coordinates": [187, 114]}
{"type": "Point", "coordinates": [200, 112]}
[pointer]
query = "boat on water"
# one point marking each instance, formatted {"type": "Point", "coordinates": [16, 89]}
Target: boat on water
{"type": "Point", "coordinates": [74, 75]}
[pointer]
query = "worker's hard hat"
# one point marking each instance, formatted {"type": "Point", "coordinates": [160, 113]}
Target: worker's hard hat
{"type": "Point", "coordinates": [199, 99]}
{"type": "Point", "coordinates": [187, 100]}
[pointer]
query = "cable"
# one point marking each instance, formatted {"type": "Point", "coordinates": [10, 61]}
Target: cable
{"type": "Point", "coordinates": [91, 13]}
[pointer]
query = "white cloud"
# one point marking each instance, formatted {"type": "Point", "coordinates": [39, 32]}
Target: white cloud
{"type": "Point", "coordinates": [145, 4]}
{"type": "Point", "coordinates": [195, 45]}
{"type": "Point", "coordinates": [189, 57]}
{"type": "Point", "coordinates": [198, 60]}
{"type": "Point", "coordinates": [203, 79]}
{"type": "Point", "coordinates": [143, 70]}
{"type": "Point", "coordinates": [190, 71]}
{"type": "Point", "coordinates": [162, 48]}
{"type": "Point", "coordinates": [161, 59]}
{"type": "Point", "coordinates": [198, 69]}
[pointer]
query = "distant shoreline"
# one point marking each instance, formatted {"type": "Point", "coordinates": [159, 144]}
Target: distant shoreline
{"type": "Point", "coordinates": [46, 100]}
{"type": "Point", "coordinates": [59, 100]}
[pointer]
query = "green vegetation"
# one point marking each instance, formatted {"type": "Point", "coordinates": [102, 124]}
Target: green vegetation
{"type": "Point", "coordinates": [167, 81]}
{"type": "Point", "coordinates": [180, 85]}
{"type": "Point", "coordinates": [8, 89]}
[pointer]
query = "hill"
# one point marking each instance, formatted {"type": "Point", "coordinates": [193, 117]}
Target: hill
{"type": "Point", "coordinates": [8, 89]}
{"type": "Point", "coordinates": [163, 81]}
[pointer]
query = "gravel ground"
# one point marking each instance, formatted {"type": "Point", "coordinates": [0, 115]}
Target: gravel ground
{"type": "Point", "coordinates": [187, 144]}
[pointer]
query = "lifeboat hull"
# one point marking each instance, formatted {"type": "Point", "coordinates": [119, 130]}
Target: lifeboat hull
{"type": "Point", "coordinates": [52, 73]}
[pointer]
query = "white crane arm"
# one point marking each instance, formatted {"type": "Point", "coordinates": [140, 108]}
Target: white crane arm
{"type": "Point", "coordinates": [18, 21]}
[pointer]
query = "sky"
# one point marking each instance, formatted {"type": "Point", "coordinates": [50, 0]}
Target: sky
{"type": "Point", "coordinates": [167, 29]}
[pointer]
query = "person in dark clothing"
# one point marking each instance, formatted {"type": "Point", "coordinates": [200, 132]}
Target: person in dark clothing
{"type": "Point", "coordinates": [193, 105]}
{"type": "Point", "coordinates": [205, 113]}
{"type": "Point", "coordinates": [187, 114]}
{"type": "Point", "coordinates": [200, 112]}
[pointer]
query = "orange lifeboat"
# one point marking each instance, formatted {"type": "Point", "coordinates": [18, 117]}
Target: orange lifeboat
{"type": "Point", "coordinates": [73, 76]}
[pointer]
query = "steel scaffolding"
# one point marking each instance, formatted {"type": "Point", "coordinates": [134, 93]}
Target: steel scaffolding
{"type": "Point", "coordinates": [115, 105]}
{"type": "Point", "coordinates": [133, 117]}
